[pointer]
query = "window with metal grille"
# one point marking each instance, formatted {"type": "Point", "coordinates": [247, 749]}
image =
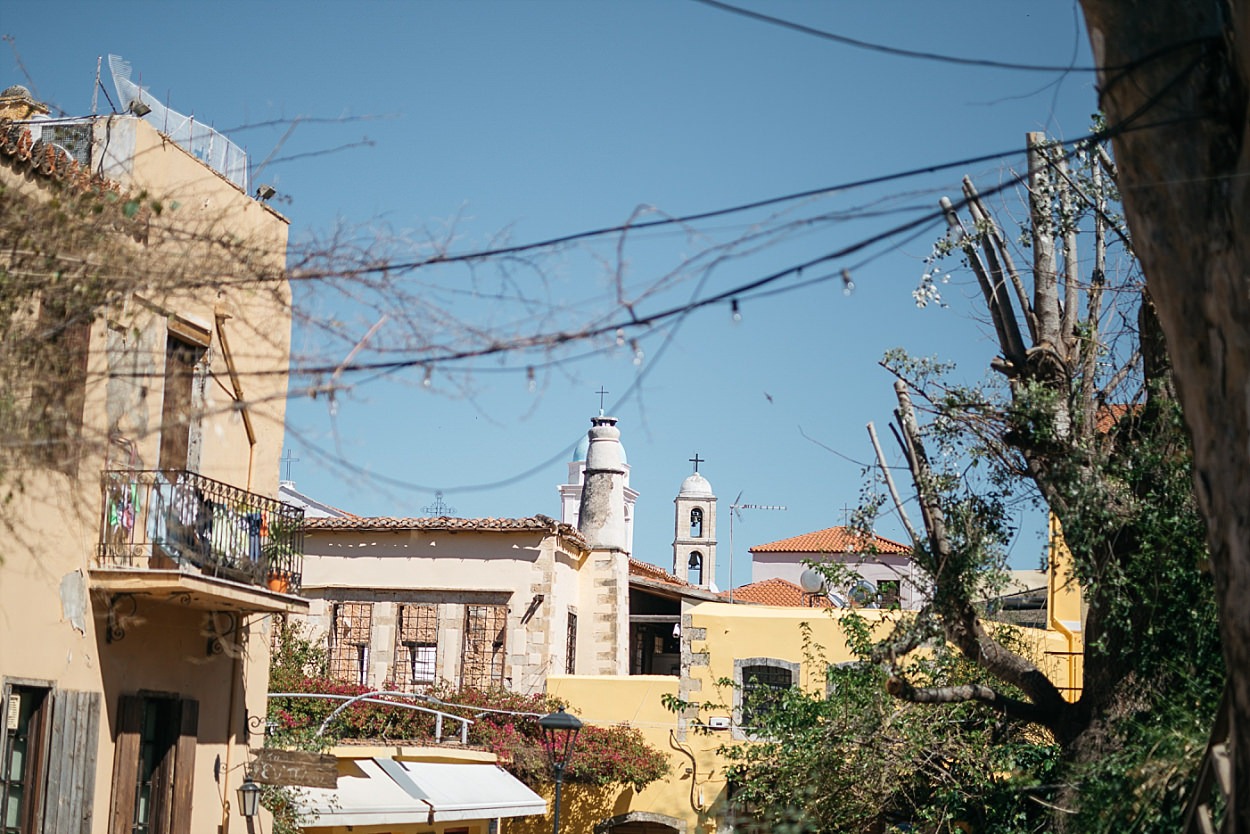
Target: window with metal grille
{"type": "Point", "coordinates": [761, 682]}
{"type": "Point", "coordinates": [416, 646]}
{"type": "Point", "coordinates": [570, 646]}
{"type": "Point", "coordinates": [482, 662]}
{"type": "Point", "coordinates": [350, 629]}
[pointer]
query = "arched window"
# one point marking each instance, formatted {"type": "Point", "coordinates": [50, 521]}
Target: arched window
{"type": "Point", "coordinates": [694, 568]}
{"type": "Point", "coordinates": [696, 523]}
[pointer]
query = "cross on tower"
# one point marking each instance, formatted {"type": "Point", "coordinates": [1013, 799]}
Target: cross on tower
{"type": "Point", "coordinates": [696, 460]}
{"type": "Point", "coordinates": [288, 460]}
{"type": "Point", "coordinates": [601, 392]}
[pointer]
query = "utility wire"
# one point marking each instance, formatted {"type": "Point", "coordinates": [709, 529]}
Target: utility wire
{"type": "Point", "coordinates": [886, 49]}
{"type": "Point", "coordinates": [484, 254]}
{"type": "Point", "coordinates": [929, 56]}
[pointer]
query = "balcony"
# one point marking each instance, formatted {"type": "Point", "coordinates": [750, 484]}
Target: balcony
{"type": "Point", "coordinates": [179, 533]}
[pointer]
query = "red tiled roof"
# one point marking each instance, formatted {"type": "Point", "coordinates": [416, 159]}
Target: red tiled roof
{"type": "Point", "coordinates": [833, 540]}
{"type": "Point", "coordinates": [776, 591]}
{"type": "Point", "coordinates": [1111, 413]}
{"type": "Point", "coordinates": [540, 523]}
{"type": "Point", "coordinates": [17, 144]}
{"type": "Point", "coordinates": [645, 570]}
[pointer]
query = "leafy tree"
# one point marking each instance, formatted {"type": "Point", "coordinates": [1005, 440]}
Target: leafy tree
{"type": "Point", "coordinates": [1087, 417]}
{"type": "Point", "coordinates": [845, 756]}
{"type": "Point", "coordinates": [1175, 85]}
{"type": "Point", "coordinates": [1082, 415]}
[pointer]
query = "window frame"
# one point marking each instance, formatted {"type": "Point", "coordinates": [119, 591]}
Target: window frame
{"type": "Point", "coordinates": [411, 638]}
{"type": "Point", "coordinates": [33, 781]}
{"type": "Point", "coordinates": [481, 666]}
{"type": "Point", "coordinates": [349, 658]}
{"type": "Point", "coordinates": [186, 363]}
{"type": "Point", "coordinates": [742, 685]}
{"type": "Point", "coordinates": [173, 775]}
{"type": "Point", "coordinates": [570, 644]}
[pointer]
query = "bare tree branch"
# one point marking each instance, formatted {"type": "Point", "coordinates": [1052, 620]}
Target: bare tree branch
{"type": "Point", "coordinates": [889, 483]}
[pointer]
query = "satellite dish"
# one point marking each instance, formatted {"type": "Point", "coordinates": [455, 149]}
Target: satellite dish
{"type": "Point", "coordinates": [812, 582]}
{"type": "Point", "coordinates": [864, 594]}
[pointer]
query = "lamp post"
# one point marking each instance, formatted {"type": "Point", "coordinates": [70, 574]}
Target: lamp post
{"type": "Point", "coordinates": [249, 797]}
{"type": "Point", "coordinates": [559, 733]}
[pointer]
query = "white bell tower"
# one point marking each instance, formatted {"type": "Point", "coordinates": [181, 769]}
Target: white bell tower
{"type": "Point", "coordinates": [694, 540]}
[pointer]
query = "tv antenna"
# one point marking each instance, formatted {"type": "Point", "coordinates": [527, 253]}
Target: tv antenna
{"type": "Point", "coordinates": [735, 509]}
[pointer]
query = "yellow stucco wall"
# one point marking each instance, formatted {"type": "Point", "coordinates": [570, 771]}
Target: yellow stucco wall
{"type": "Point", "coordinates": [52, 624]}
{"type": "Point", "coordinates": [715, 635]}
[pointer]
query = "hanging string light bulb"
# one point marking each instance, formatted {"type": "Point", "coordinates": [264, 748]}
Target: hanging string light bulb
{"type": "Point", "coordinates": [429, 374]}
{"type": "Point", "coordinates": [530, 383]}
{"type": "Point", "coordinates": [637, 349]}
{"type": "Point", "coordinates": [848, 286]}
{"type": "Point", "coordinates": [735, 312]}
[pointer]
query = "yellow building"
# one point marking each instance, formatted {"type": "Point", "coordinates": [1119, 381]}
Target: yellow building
{"type": "Point", "coordinates": [750, 645]}
{"type": "Point", "coordinates": [142, 538]}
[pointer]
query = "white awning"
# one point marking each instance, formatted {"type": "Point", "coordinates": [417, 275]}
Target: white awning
{"type": "Point", "coordinates": [397, 792]}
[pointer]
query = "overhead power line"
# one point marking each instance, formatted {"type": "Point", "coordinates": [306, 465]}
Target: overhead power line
{"type": "Point", "coordinates": [887, 49]}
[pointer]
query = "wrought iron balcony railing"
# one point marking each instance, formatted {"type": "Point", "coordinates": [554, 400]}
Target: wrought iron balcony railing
{"type": "Point", "coordinates": [184, 521]}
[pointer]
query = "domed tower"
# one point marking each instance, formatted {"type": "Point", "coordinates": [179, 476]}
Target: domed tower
{"type": "Point", "coordinates": [694, 542]}
{"type": "Point", "coordinates": [571, 492]}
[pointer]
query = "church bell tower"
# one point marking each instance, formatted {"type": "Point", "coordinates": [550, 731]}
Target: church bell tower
{"type": "Point", "coordinates": [694, 540]}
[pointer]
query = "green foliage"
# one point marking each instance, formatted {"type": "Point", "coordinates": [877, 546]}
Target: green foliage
{"type": "Point", "coordinates": [1144, 778]}
{"type": "Point", "coordinates": [847, 757]}
{"type": "Point", "coordinates": [297, 656]}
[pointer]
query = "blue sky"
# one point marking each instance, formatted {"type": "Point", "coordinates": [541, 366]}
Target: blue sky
{"type": "Point", "coordinates": [471, 124]}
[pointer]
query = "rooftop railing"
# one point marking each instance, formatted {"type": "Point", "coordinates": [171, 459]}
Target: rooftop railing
{"type": "Point", "coordinates": [185, 521]}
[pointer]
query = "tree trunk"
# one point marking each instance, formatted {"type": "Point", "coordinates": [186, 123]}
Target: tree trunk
{"type": "Point", "coordinates": [1175, 92]}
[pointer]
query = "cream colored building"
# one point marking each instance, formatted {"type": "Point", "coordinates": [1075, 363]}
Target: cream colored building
{"type": "Point", "coordinates": [406, 602]}
{"type": "Point", "coordinates": [135, 581]}
{"type": "Point", "coordinates": [684, 637]}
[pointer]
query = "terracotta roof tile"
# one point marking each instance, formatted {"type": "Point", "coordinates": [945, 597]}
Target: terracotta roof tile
{"type": "Point", "coordinates": [1111, 413]}
{"type": "Point", "coordinates": [833, 540]}
{"type": "Point", "coordinates": [17, 143]}
{"type": "Point", "coordinates": [776, 591]}
{"type": "Point", "coordinates": [658, 574]}
{"type": "Point", "coordinates": [539, 523]}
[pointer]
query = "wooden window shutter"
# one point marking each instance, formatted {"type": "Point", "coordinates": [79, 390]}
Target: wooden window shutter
{"type": "Point", "coordinates": [73, 743]}
{"type": "Point", "coordinates": [184, 767]}
{"type": "Point", "coordinates": [125, 763]}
